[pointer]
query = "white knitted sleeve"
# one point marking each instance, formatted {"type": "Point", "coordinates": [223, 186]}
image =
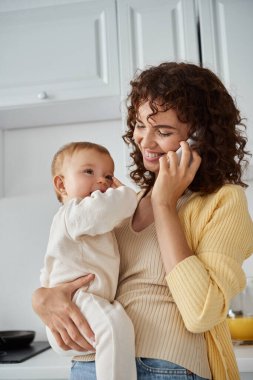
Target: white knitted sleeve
{"type": "Point", "coordinates": [100, 212]}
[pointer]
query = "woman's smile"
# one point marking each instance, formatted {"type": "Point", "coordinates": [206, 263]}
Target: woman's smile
{"type": "Point", "coordinates": [157, 134]}
{"type": "Point", "coordinates": [151, 156]}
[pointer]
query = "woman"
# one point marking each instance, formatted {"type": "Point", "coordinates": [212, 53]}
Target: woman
{"type": "Point", "coordinates": [182, 252]}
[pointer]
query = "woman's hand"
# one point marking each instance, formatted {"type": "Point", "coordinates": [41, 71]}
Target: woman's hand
{"type": "Point", "coordinates": [174, 177]}
{"type": "Point", "coordinates": [57, 310]}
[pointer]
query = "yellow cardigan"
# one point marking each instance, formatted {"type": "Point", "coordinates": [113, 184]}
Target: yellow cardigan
{"type": "Point", "coordinates": [219, 231]}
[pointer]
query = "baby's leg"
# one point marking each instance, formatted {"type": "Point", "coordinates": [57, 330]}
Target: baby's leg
{"type": "Point", "coordinates": [114, 337]}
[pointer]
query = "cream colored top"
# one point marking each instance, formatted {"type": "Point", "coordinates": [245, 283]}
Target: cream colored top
{"type": "Point", "coordinates": [82, 240]}
{"type": "Point", "coordinates": [182, 317]}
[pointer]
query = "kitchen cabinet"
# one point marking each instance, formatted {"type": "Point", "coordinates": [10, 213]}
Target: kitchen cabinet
{"type": "Point", "coordinates": [69, 61]}
{"type": "Point", "coordinates": [56, 53]}
{"type": "Point", "coordinates": [217, 34]}
{"type": "Point", "coordinates": [151, 32]}
{"type": "Point", "coordinates": [226, 34]}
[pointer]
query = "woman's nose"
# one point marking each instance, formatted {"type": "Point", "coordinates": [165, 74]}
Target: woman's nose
{"type": "Point", "coordinates": [147, 140]}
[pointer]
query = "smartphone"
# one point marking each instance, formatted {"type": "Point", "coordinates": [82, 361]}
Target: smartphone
{"type": "Point", "coordinates": [190, 141]}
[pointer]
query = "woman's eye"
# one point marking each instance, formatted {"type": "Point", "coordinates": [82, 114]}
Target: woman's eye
{"type": "Point", "coordinates": [163, 133]}
{"type": "Point", "coordinates": [139, 126]}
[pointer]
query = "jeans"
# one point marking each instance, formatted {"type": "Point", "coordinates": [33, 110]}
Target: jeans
{"type": "Point", "coordinates": [147, 369]}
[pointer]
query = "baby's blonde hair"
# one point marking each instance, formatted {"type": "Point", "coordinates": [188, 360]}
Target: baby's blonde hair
{"type": "Point", "coordinates": [69, 150]}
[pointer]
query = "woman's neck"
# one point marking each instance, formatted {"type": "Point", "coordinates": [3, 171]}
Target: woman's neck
{"type": "Point", "coordinates": [143, 215]}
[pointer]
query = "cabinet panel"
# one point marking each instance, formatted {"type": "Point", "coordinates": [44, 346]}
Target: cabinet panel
{"type": "Point", "coordinates": [151, 32]}
{"type": "Point", "coordinates": [226, 38]}
{"type": "Point", "coordinates": [57, 50]}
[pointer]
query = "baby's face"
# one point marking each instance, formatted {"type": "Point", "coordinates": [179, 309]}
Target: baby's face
{"type": "Point", "coordinates": [86, 171]}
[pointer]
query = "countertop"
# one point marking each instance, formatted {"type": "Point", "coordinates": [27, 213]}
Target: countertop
{"type": "Point", "coordinates": [244, 357]}
{"type": "Point", "coordinates": [46, 365]}
{"type": "Point", "coordinates": [50, 366]}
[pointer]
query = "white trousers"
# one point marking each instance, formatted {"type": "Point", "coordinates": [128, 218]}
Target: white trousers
{"type": "Point", "coordinates": [114, 337]}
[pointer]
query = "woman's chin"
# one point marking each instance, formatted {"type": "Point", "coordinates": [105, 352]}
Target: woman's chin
{"type": "Point", "coordinates": [152, 166]}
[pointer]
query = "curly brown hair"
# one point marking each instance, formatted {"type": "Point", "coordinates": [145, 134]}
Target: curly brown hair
{"type": "Point", "coordinates": [200, 100]}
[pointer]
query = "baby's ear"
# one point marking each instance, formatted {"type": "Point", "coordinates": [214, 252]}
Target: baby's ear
{"type": "Point", "coordinates": [59, 185]}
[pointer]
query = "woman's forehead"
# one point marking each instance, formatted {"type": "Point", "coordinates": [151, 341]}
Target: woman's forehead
{"type": "Point", "coordinates": [145, 113]}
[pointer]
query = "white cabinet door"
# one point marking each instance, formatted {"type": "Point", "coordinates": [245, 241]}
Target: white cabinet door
{"type": "Point", "coordinates": [226, 29]}
{"type": "Point", "coordinates": [151, 32]}
{"type": "Point", "coordinates": [57, 50]}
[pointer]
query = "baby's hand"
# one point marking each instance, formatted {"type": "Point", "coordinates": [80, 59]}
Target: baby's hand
{"type": "Point", "coordinates": [116, 183]}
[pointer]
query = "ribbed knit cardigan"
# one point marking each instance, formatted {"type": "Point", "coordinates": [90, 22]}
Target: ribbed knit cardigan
{"type": "Point", "coordinates": [219, 230]}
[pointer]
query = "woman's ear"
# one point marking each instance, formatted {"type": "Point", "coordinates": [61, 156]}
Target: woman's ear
{"type": "Point", "coordinates": [59, 185]}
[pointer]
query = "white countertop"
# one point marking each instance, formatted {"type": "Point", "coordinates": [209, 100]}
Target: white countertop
{"type": "Point", "coordinates": [46, 365]}
{"type": "Point", "coordinates": [244, 357]}
{"type": "Point", "coordinates": [49, 365]}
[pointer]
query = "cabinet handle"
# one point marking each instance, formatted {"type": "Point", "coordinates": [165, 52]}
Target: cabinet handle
{"type": "Point", "coordinates": [42, 95]}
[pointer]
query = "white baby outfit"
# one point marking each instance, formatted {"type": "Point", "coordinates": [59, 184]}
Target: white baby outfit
{"type": "Point", "coordinates": [82, 241]}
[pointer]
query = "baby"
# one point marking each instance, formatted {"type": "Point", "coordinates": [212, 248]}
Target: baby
{"type": "Point", "coordinates": [82, 241]}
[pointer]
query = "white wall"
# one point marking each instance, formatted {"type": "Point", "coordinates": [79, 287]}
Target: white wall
{"type": "Point", "coordinates": [28, 152]}
{"type": "Point", "coordinates": [24, 226]}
